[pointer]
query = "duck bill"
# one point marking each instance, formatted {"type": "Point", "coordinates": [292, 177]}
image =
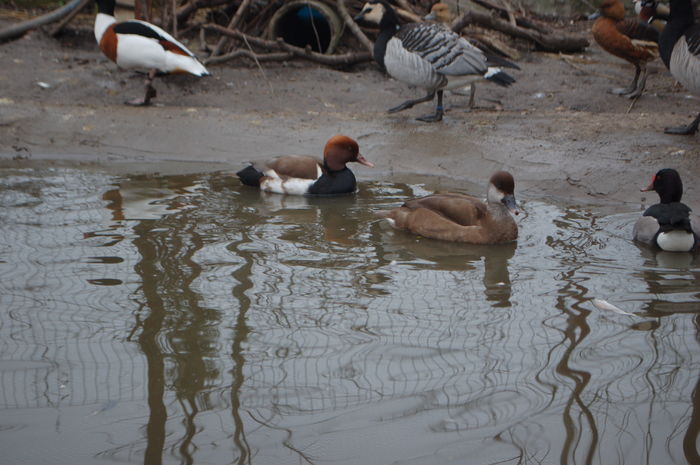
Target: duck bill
{"type": "Point", "coordinates": [360, 17]}
{"type": "Point", "coordinates": [363, 161]}
{"type": "Point", "coordinates": [594, 15]}
{"type": "Point", "coordinates": [429, 17]}
{"type": "Point", "coordinates": [509, 202]}
{"type": "Point", "coordinates": [650, 187]}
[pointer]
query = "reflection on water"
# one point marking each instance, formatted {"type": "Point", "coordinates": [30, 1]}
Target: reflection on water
{"type": "Point", "coordinates": [186, 319]}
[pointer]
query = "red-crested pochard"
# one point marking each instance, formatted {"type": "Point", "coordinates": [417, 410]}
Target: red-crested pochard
{"type": "Point", "coordinates": [305, 175]}
{"type": "Point", "coordinates": [462, 218]}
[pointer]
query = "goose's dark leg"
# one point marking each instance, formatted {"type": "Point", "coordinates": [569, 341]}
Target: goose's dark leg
{"type": "Point", "coordinates": [631, 88]}
{"type": "Point", "coordinates": [437, 116]}
{"type": "Point", "coordinates": [690, 129]}
{"type": "Point", "coordinates": [150, 91]}
{"type": "Point", "coordinates": [409, 103]}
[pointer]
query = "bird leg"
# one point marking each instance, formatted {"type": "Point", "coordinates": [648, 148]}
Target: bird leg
{"type": "Point", "coordinates": [640, 86]}
{"type": "Point", "coordinates": [437, 116]}
{"type": "Point", "coordinates": [409, 103]}
{"type": "Point", "coordinates": [685, 130]}
{"type": "Point", "coordinates": [472, 92]}
{"type": "Point", "coordinates": [150, 91]}
{"type": "Point", "coordinates": [632, 87]}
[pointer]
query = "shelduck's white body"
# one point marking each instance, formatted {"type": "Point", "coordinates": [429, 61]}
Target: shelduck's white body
{"type": "Point", "coordinates": [142, 46]}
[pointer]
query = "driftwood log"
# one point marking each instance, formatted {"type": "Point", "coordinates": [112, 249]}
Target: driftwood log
{"type": "Point", "coordinates": [330, 60]}
{"type": "Point", "coordinates": [549, 42]}
{"type": "Point", "coordinates": [250, 16]}
{"type": "Point", "coordinates": [18, 30]}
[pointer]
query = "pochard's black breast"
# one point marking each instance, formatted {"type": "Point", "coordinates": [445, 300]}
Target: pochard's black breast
{"type": "Point", "coordinates": [671, 216]}
{"type": "Point", "coordinates": [334, 183]}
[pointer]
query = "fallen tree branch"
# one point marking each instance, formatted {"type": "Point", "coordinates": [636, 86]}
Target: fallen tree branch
{"type": "Point", "coordinates": [233, 24]}
{"type": "Point", "coordinates": [548, 42]}
{"type": "Point", "coordinates": [183, 12]}
{"type": "Point", "coordinates": [69, 17]}
{"type": "Point", "coordinates": [352, 25]}
{"type": "Point", "coordinates": [520, 20]}
{"type": "Point", "coordinates": [279, 56]}
{"type": "Point", "coordinates": [17, 30]}
{"type": "Point", "coordinates": [330, 60]}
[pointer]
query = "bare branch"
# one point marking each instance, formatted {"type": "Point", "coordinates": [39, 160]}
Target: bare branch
{"type": "Point", "coordinates": [331, 60]}
{"type": "Point", "coordinates": [17, 30]}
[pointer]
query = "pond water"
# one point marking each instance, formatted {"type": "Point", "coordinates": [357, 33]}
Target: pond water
{"type": "Point", "coordinates": [186, 319]}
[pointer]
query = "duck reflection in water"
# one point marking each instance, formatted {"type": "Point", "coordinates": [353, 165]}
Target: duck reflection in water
{"type": "Point", "coordinates": [669, 275]}
{"type": "Point", "coordinates": [440, 255]}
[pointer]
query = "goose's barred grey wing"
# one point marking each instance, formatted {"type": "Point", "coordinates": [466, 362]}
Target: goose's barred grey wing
{"type": "Point", "coordinates": [446, 51]}
{"type": "Point", "coordinates": [692, 38]}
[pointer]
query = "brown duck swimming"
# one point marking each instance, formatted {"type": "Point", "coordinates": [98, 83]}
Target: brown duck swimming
{"type": "Point", "coordinates": [462, 218]}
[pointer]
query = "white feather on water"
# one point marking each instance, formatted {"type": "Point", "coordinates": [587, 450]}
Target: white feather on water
{"type": "Point", "coordinates": [605, 305]}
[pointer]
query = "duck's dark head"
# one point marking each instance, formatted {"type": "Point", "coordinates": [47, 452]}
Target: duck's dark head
{"type": "Point", "coordinates": [378, 13]}
{"type": "Point", "coordinates": [341, 150]}
{"type": "Point", "coordinates": [502, 189]}
{"type": "Point", "coordinates": [613, 9]}
{"type": "Point", "coordinates": [106, 6]}
{"type": "Point", "coordinates": [667, 183]}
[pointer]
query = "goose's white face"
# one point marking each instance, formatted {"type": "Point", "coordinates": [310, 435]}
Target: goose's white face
{"type": "Point", "coordinates": [373, 13]}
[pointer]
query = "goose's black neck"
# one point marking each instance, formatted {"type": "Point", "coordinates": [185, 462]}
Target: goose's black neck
{"type": "Point", "coordinates": [387, 29]}
{"type": "Point", "coordinates": [106, 6]}
{"type": "Point", "coordinates": [380, 44]}
{"type": "Point", "coordinates": [681, 18]}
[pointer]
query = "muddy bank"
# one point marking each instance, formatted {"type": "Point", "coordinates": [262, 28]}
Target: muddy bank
{"type": "Point", "coordinates": [556, 129]}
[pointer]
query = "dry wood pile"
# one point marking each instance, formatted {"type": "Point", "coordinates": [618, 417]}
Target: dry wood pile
{"type": "Point", "coordinates": [320, 30]}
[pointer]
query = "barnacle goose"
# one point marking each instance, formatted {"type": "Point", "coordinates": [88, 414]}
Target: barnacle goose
{"type": "Point", "coordinates": [428, 55]}
{"type": "Point", "coordinates": [679, 47]}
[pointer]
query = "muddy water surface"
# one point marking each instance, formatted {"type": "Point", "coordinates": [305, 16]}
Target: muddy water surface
{"type": "Point", "coordinates": [185, 319]}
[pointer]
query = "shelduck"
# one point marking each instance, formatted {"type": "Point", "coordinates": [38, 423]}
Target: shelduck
{"type": "Point", "coordinates": [142, 46]}
{"type": "Point", "coordinates": [427, 55]}
{"type": "Point", "coordinates": [461, 218]}
{"type": "Point", "coordinates": [668, 224]}
{"type": "Point", "coordinates": [305, 175]}
{"type": "Point", "coordinates": [680, 52]}
{"type": "Point", "coordinates": [629, 39]}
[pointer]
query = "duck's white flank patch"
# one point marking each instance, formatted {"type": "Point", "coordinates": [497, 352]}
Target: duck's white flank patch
{"type": "Point", "coordinates": [291, 186]}
{"type": "Point", "coordinates": [492, 71]}
{"type": "Point", "coordinates": [676, 241]}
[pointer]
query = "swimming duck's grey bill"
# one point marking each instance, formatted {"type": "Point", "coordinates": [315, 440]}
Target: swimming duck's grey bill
{"type": "Point", "coordinates": [509, 202]}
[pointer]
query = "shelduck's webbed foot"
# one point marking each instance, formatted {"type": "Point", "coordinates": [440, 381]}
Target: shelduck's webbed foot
{"type": "Point", "coordinates": [146, 100]}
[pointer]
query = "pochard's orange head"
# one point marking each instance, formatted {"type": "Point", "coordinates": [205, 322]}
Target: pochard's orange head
{"type": "Point", "coordinates": [341, 150]}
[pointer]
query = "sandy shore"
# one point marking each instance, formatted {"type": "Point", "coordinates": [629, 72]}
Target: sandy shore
{"type": "Point", "coordinates": [557, 129]}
